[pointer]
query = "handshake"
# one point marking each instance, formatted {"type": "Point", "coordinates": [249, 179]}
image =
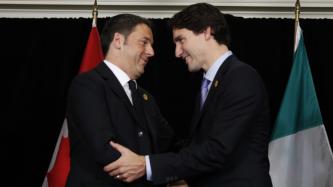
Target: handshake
{"type": "Point", "coordinates": [131, 166]}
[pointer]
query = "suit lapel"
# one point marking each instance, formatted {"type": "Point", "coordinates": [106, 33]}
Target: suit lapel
{"type": "Point", "coordinates": [216, 85]}
{"type": "Point", "coordinates": [196, 114]}
{"type": "Point", "coordinates": [144, 99]}
{"type": "Point", "coordinates": [117, 88]}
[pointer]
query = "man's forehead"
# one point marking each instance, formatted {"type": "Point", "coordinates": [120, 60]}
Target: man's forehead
{"type": "Point", "coordinates": [178, 33]}
{"type": "Point", "coordinates": [143, 30]}
{"type": "Point", "coordinates": [142, 27]}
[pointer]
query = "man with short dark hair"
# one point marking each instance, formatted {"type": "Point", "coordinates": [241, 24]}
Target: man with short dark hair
{"type": "Point", "coordinates": [106, 104]}
{"type": "Point", "coordinates": [230, 127]}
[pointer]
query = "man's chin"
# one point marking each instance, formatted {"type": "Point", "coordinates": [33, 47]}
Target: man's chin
{"type": "Point", "coordinates": [140, 73]}
{"type": "Point", "coordinates": [192, 69]}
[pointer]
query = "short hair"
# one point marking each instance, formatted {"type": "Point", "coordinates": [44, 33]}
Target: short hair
{"type": "Point", "coordinates": [122, 23]}
{"type": "Point", "coordinates": [198, 17]}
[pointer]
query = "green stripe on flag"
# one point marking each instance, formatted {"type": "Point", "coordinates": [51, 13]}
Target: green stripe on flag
{"type": "Point", "coordinates": [299, 109]}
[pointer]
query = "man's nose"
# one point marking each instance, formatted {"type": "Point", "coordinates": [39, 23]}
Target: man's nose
{"type": "Point", "coordinates": [178, 51]}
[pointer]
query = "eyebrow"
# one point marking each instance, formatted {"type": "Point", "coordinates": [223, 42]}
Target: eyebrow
{"type": "Point", "coordinates": [147, 38]}
{"type": "Point", "coordinates": [178, 38]}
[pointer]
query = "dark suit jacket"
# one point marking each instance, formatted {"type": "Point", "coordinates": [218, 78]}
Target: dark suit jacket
{"type": "Point", "coordinates": [99, 111]}
{"type": "Point", "coordinates": [229, 137]}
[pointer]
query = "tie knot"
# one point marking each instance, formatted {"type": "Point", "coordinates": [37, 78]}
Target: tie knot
{"type": "Point", "coordinates": [132, 85]}
{"type": "Point", "coordinates": [205, 83]}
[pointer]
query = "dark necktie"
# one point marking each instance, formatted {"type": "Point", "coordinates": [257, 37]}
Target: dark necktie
{"type": "Point", "coordinates": [204, 91]}
{"type": "Point", "coordinates": [137, 105]}
{"type": "Point", "coordinates": [132, 87]}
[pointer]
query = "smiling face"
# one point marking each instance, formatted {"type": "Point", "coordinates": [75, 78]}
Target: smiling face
{"type": "Point", "coordinates": [137, 49]}
{"type": "Point", "coordinates": [190, 47]}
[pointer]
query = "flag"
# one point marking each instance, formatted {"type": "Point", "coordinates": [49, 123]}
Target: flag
{"type": "Point", "coordinates": [60, 163]}
{"type": "Point", "coordinates": [299, 151]}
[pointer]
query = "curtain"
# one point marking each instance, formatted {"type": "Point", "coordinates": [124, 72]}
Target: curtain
{"type": "Point", "coordinates": [40, 57]}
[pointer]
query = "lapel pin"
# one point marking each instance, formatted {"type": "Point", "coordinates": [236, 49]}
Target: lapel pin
{"type": "Point", "coordinates": [216, 83]}
{"type": "Point", "coordinates": [145, 97]}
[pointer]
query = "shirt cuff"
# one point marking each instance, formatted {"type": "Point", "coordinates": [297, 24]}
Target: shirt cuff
{"type": "Point", "coordinates": [148, 168]}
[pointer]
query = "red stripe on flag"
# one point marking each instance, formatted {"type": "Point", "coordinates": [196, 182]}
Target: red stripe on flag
{"type": "Point", "coordinates": [93, 53]}
{"type": "Point", "coordinates": [57, 175]}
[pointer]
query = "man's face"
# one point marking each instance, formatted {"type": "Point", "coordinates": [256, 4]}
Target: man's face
{"type": "Point", "coordinates": [189, 46]}
{"type": "Point", "coordinates": [137, 50]}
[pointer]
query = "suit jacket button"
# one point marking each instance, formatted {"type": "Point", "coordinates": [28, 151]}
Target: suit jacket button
{"type": "Point", "coordinates": [140, 133]}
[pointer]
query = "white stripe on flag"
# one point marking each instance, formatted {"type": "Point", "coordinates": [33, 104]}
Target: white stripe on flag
{"type": "Point", "coordinates": [302, 159]}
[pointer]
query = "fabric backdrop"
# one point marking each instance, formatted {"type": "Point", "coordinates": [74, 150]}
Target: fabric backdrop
{"type": "Point", "coordinates": [39, 58]}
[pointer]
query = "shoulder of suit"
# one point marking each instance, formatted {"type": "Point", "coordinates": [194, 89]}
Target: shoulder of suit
{"type": "Point", "coordinates": [236, 63]}
{"type": "Point", "coordinates": [91, 76]}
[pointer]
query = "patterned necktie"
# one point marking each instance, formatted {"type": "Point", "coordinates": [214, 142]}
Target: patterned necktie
{"type": "Point", "coordinates": [204, 91]}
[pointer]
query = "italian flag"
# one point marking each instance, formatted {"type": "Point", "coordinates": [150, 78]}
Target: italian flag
{"type": "Point", "coordinates": [299, 152]}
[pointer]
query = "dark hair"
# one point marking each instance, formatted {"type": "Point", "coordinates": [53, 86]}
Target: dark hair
{"type": "Point", "coordinates": [122, 23]}
{"type": "Point", "coordinates": [198, 17]}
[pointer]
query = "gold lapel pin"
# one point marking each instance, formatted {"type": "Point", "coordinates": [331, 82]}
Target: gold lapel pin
{"type": "Point", "coordinates": [145, 97]}
{"type": "Point", "coordinates": [216, 83]}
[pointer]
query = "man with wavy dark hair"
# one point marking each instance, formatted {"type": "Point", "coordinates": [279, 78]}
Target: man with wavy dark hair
{"type": "Point", "coordinates": [228, 144]}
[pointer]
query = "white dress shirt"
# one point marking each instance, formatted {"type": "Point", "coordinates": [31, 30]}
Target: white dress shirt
{"type": "Point", "coordinates": [122, 77]}
{"type": "Point", "coordinates": [210, 74]}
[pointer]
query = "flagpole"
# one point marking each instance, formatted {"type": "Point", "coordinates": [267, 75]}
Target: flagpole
{"type": "Point", "coordinates": [297, 13]}
{"type": "Point", "coordinates": [95, 13]}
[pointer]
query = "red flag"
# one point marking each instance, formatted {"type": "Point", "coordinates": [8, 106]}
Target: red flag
{"type": "Point", "coordinates": [59, 166]}
{"type": "Point", "coordinates": [93, 53]}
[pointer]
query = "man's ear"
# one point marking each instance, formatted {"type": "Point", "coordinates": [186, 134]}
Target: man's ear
{"type": "Point", "coordinates": [208, 33]}
{"type": "Point", "coordinates": [118, 40]}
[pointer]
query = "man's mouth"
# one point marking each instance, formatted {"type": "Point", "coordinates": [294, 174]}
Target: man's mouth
{"type": "Point", "coordinates": [145, 60]}
{"type": "Point", "coordinates": [186, 58]}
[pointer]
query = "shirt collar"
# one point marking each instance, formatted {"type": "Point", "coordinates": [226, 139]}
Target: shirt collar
{"type": "Point", "coordinates": [122, 77]}
{"type": "Point", "coordinates": [210, 74]}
